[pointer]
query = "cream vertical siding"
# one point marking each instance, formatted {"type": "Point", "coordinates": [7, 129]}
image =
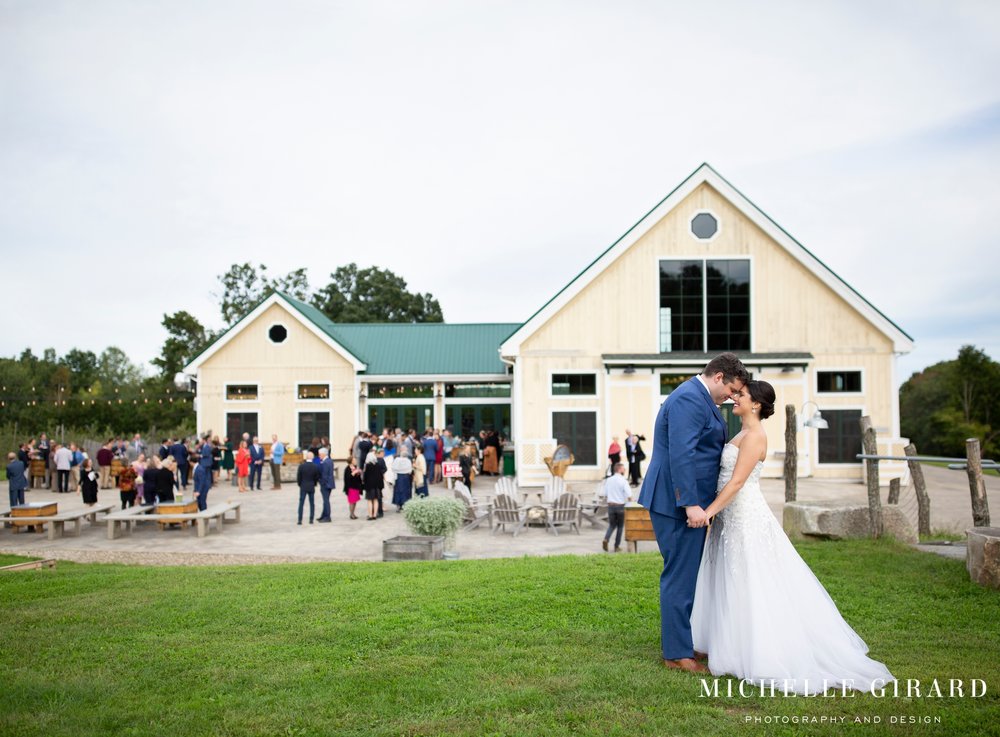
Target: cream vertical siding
{"type": "Point", "coordinates": [251, 358]}
{"type": "Point", "coordinates": [791, 311]}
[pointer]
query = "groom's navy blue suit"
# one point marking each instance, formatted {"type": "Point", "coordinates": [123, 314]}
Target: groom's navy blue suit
{"type": "Point", "coordinates": [687, 449]}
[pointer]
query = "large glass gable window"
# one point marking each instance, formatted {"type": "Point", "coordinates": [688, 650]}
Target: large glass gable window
{"type": "Point", "coordinates": [705, 305]}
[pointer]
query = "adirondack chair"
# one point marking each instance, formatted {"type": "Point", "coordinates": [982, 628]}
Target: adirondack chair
{"type": "Point", "coordinates": [554, 488]}
{"type": "Point", "coordinates": [474, 513]}
{"type": "Point", "coordinates": [596, 512]}
{"type": "Point", "coordinates": [507, 512]}
{"type": "Point", "coordinates": [566, 511]}
{"type": "Point", "coordinates": [506, 485]}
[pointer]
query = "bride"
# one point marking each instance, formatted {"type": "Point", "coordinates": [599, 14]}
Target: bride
{"type": "Point", "coordinates": [759, 612]}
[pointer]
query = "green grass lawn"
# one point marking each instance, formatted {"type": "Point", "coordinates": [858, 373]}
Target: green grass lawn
{"type": "Point", "coordinates": [540, 646]}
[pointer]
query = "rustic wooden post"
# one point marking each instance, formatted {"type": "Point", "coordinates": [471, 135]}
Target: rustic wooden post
{"type": "Point", "coordinates": [870, 445]}
{"type": "Point", "coordinates": [791, 453]}
{"type": "Point", "coordinates": [920, 487]}
{"type": "Point", "coordinates": [894, 491]}
{"type": "Point", "coordinates": [980, 509]}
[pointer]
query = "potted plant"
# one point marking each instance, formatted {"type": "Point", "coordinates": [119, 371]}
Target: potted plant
{"type": "Point", "coordinates": [436, 517]}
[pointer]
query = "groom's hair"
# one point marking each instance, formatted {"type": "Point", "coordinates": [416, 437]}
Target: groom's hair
{"type": "Point", "coordinates": [730, 366]}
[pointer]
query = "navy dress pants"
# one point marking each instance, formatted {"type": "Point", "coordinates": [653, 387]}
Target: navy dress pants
{"type": "Point", "coordinates": [681, 548]}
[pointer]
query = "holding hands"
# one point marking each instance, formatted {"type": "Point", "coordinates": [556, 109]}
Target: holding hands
{"type": "Point", "coordinates": [696, 516]}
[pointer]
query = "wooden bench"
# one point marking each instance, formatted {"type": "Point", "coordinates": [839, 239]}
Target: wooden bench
{"type": "Point", "coordinates": [204, 518]}
{"type": "Point", "coordinates": [125, 518]}
{"type": "Point", "coordinates": [57, 522]}
{"type": "Point", "coordinates": [123, 521]}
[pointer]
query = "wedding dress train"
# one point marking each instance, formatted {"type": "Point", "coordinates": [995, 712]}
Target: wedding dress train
{"type": "Point", "coordinates": [761, 614]}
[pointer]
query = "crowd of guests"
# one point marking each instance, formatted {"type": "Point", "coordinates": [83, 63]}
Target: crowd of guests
{"type": "Point", "coordinates": [634, 454]}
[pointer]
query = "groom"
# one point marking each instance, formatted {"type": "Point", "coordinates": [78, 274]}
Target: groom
{"type": "Point", "coordinates": [680, 482]}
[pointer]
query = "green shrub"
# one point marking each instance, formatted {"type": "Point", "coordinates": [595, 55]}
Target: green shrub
{"type": "Point", "coordinates": [434, 516]}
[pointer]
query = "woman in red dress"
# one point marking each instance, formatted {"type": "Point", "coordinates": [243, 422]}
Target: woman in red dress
{"type": "Point", "coordinates": [242, 465]}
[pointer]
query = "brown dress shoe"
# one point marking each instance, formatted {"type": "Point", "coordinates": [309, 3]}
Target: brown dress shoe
{"type": "Point", "coordinates": [700, 655]}
{"type": "Point", "coordinates": [687, 664]}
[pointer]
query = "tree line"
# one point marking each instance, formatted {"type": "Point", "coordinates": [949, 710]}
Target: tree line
{"type": "Point", "coordinates": [107, 393]}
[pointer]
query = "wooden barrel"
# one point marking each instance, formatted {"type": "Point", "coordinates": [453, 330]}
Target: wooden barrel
{"type": "Point", "coordinates": [37, 468]}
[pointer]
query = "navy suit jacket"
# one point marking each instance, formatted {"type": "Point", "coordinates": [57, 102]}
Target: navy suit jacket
{"type": "Point", "coordinates": [256, 453]}
{"type": "Point", "coordinates": [180, 454]}
{"type": "Point", "coordinates": [326, 475]}
{"type": "Point", "coordinates": [687, 450]}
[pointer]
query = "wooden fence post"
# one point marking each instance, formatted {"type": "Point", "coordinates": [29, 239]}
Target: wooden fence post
{"type": "Point", "coordinates": [920, 487]}
{"type": "Point", "coordinates": [977, 486]}
{"type": "Point", "coordinates": [870, 445]}
{"type": "Point", "coordinates": [791, 454]}
{"type": "Point", "coordinates": [894, 491]}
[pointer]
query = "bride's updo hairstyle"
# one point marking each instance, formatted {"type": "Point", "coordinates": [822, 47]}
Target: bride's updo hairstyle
{"type": "Point", "coordinates": [762, 393]}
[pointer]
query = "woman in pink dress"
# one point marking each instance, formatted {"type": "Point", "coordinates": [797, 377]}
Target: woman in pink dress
{"type": "Point", "coordinates": [242, 465]}
{"type": "Point", "coordinates": [352, 486]}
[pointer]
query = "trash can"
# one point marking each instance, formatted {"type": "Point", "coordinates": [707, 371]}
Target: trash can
{"type": "Point", "coordinates": [508, 461]}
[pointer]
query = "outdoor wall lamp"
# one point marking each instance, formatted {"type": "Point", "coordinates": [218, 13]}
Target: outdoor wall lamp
{"type": "Point", "coordinates": [816, 421]}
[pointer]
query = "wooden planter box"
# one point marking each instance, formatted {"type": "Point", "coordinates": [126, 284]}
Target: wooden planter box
{"type": "Point", "coordinates": [638, 526]}
{"type": "Point", "coordinates": [413, 547]}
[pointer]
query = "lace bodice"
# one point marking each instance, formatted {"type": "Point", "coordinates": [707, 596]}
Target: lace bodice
{"type": "Point", "coordinates": [747, 515]}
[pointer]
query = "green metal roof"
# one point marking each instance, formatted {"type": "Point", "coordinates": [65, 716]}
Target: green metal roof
{"type": "Point", "coordinates": [435, 348]}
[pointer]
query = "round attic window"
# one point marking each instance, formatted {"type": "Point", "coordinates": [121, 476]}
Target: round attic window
{"type": "Point", "coordinates": [277, 333]}
{"type": "Point", "coordinates": [704, 226]}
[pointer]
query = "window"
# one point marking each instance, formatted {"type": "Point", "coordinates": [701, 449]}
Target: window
{"type": "Point", "coordinates": [313, 425]}
{"type": "Point", "coordinates": [704, 226]}
{"type": "Point", "coordinates": [496, 389]}
{"type": "Point", "coordinates": [574, 385]}
{"type": "Point", "coordinates": [578, 430]}
{"type": "Point", "coordinates": [238, 423]}
{"type": "Point", "coordinates": [838, 381]}
{"type": "Point", "coordinates": [400, 391]}
{"type": "Point", "coordinates": [277, 333]}
{"type": "Point", "coordinates": [705, 305]}
{"type": "Point", "coordinates": [669, 382]}
{"type": "Point", "coordinates": [241, 392]}
{"type": "Point", "coordinates": [314, 391]}
{"type": "Point", "coordinates": [841, 442]}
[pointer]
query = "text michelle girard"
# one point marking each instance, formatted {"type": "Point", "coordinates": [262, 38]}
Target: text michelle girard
{"type": "Point", "coordinates": [911, 688]}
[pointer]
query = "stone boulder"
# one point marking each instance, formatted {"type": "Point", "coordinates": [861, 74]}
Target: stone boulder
{"type": "Point", "coordinates": [834, 521]}
{"type": "Point", "coordinates": [982, 555]}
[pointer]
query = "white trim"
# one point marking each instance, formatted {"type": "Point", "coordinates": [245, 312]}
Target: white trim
{"type": "Point", "coordinates": [257, 312]}
{"type": "Point", "coordinates": [718, 225]}
{"type": "Point", "coordinates": [299, 412]}
{"type": "Point", "coordinates": [826, 369]}
{"type": "Point", "coordinates": [273, 325]}
{"type": "Point", "coordinates": [894, 399]}
{"type": "Point", "coordinates": [516, 397]}
{"type": "Point", "coordinates": [432, 378]}
{"type": "Point", "coordinates": [705, 175]}
{"type": "Point", "coordinates": [574, 372]}
{"type": "Point", "coordinates": [597, 420]}
{"type": "Point", "coordinates": [225, 392]}
{"type": "Point", "coordinates": [327, 398]}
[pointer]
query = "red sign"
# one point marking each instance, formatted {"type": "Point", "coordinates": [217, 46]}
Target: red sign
{"type": "Point", "coordinates": [451, 470]}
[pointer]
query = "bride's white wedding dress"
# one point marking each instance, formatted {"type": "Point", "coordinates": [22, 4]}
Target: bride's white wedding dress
{"type": "Point", "coordinates": [761, 614]}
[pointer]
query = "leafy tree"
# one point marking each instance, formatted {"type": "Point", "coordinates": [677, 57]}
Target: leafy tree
{"type": "Point", "coordinates": [83, 366]}
{"type": "Point", "coordinates": [373, 295]}
{"type": "Point", "coordinates": [244, 285]}
{"type": "Point", "coordinates": [943, 405]}
{"type": "Point", "coordinates": [186, 339]}
{"type": "Point", "coordinates": [115, 369]}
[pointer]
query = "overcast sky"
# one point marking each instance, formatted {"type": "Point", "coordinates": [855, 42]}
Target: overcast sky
{"type": "Point", "coordinates": [485, 151]}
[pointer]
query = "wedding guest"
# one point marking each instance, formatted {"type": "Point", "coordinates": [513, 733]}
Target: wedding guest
{"type": "Point", "coordinates": [217, 452]}
{"type": "Point", "coordinates": [166, 479]}
{"type": "Point", "coordinates": [164, 450]}
{"type": "Point", "coordinates": [203, 473]}
{"type": "Point", "coordinates": [88, 483]}
{"type": "Point", "coordinates": [242, 465]}
{"type": "Point", "coordinates": [42, 452]}
{"type": "Point", "coordinates": [327, 481]}
{"type": "Point", "coordinates": [438, 457]}
{"type": "Point", "coordinates": [614, 456]}
{"type": "Point", "coordinates": [63, 457]}
{"type": "Point", "coordinates": [228, 460]}
{"type": "Point", "coordinates": [139, 464]}
{"type": "Point", "coordinates": [306, 477]}
{"type": "Point", "coordinates": [373, 476]}
{"type": "Point", "coordinates": [256, 462]}
{"type": "Point", "coordinates": [420, 474]}
{"type": "Point", "coordinates": [618, 492]}
{"type": "Point", "coordinates": [179, 453]}
{"type": "Point", "coordinates": [74, 467]}
{"type": "Point", "coordinates": [353, 485]}
{"type": "Point", "coordinates": [277, 459]}
{"type": "Point", "coordinates": [104, 458]}
{"type": "Point", "coordinates": [17, 479]}
{"type": "Point", "coordinates": [402, 490]}
{"type": "Point", "coordinates": [429, 449]}
{"type": "Point", "coordinates": [126, 485]}
{"type": "Point", "coordinates": [151, 481]}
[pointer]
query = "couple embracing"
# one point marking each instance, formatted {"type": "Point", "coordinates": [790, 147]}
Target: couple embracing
{"type": "Point", "coordinates": [742, 600]}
